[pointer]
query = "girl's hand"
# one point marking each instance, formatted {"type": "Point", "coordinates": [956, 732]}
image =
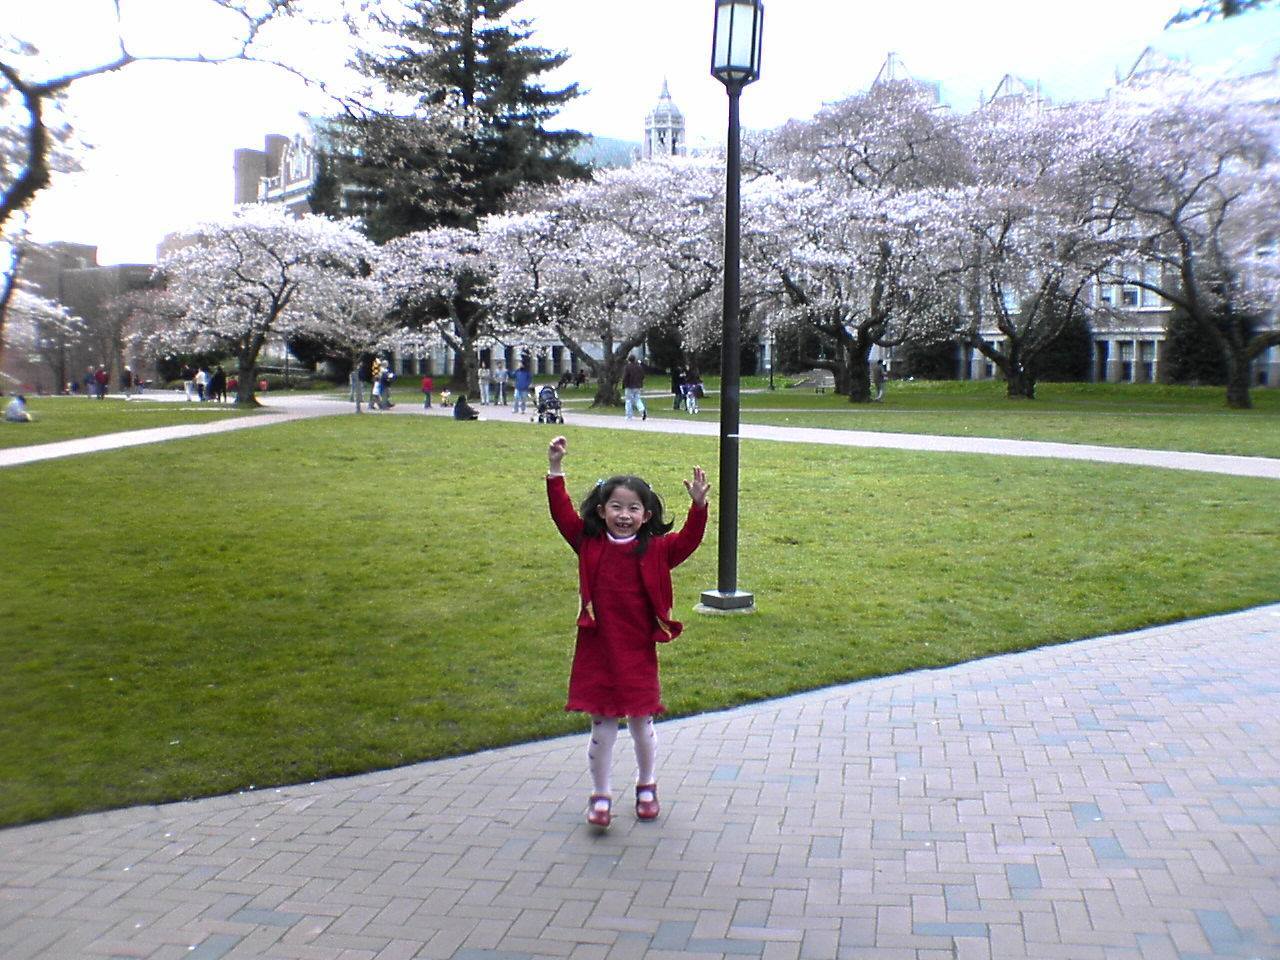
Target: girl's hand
{"type": "Point", "coordinates": [698, 486]}
{"type": "Point", "coordinates": [556, 452]}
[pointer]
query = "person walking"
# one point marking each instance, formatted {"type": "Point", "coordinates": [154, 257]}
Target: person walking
{"type": "Point", "coordinates": [486, 385]}
{"type": "Point", "coordinates": [385, 376]}
{"type": "Point", "coordinates": [501, 378]}
{"type": "Point", "coordinates": [218, 384]}
{"type": "Point", "coordinates": [632, 385]}
{"type": "Point", "coordinates": [693, 391]}
{"type": "Point", "coordinates": [524, 385]}
{"type": "Point", "coordinates": [879, 374]}
{"type": "Point", "coordinates": [677, 387]}
{"type": "Point", "coordinates": [625, 556]}
{"type": "Point", "coordinates": [428, 385]}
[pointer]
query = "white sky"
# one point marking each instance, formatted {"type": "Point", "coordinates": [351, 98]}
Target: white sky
{"type": "Point", "coordinates": [164, 135]}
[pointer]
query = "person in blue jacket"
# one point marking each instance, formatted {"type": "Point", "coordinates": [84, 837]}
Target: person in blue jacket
{"type": "Point", "coordinates": [524, 386]}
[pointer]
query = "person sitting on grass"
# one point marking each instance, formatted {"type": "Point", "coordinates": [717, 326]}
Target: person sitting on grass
{"type": "Point", "coordinates": [463, 410]}
{"type": "Point", "coordinates": [16, 411]}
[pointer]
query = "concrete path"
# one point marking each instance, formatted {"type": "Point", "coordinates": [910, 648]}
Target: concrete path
{"type": "Point", "coordinates": [284, 410]}
{"type": "Point", "coordinates": [290, 407]}
{"type": "Point", "coordinates": [709, 426]}
{"type": "Point", "coordinates": [1111, 799]}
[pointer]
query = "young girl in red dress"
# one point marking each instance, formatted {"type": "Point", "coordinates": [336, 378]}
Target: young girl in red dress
{"type": "Point", "coordinates": [625, 556]}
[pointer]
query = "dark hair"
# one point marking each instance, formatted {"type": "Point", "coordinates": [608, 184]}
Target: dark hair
{"type": "Point", "coordinates": [593, 525]}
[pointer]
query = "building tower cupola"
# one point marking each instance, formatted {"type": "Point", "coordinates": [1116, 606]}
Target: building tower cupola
{"type": "Point", "coordinates": [664, 128]}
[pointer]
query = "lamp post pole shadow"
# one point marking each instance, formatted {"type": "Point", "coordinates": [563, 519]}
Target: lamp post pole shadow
{"type": "Point", "coordinates": [735, 61]}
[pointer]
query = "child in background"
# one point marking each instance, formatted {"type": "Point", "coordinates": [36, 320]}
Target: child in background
{"type": "Point", "coordinates": [625, 557]}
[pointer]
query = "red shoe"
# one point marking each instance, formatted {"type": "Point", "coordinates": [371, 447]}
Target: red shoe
{"type": "Point", "coordinates": [600, 818]}
{"type": "Point", "coordinates": [647, 809]}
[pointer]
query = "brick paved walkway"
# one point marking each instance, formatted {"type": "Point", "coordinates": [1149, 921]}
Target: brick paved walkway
{"type": "Point", "coordinates": [1112, 798]}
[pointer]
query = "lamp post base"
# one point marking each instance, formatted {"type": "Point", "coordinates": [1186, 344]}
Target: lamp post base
{"type": "Point", "coordinates": [714, 601]}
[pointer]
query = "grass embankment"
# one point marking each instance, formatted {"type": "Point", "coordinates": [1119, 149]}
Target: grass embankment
{"type": "Point", "coordinates": [337, 595]}
{"type": "Point", "coordinates": [72, 418]}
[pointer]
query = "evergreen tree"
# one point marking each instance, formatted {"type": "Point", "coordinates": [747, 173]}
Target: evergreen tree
{"type": "Point", "coordinates": [927, 359]}
{"type": "Point", "coordinates": [471, 62]}
{"type": "Point", "coordinates": [1190, 356]}
{"type": "Point", "coordinates": [1067, 355]}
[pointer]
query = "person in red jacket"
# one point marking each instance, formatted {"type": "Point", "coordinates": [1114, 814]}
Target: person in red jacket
{"type": "Point", "coordinates": [625, 556]}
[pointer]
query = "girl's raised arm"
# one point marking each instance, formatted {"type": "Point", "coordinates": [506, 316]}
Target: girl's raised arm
{"type": "Point", "coordinates": [698, 487]}
{"type": "Point", "coordinates": [555, 456]}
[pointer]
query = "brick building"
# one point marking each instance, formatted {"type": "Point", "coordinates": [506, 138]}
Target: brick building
{"type": "Point", "coordinates": [69, 273]}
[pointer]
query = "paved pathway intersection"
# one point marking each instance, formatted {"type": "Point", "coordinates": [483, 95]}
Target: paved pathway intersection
{"type": "Point", "coordinates": [1111, 799]}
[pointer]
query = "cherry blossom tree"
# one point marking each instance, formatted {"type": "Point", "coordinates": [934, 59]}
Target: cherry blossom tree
{"type": "Point", "coordinates": [608, 262]}
{"type": "Point", "coordinates": [858, 268]}
{"type": "Point", "coordinates": [1030, 247]}
{"type": "Point", "coordinates": [1190, 173]}
{"type": "Point", "coordinates": [893, 137]}
{"type": "Point", "coordinates": [349, 307]}
{"type": "Point", "coordinates": [237, 282]}
{"type": "Point", "coordinates": [437, 280]}
{"type": "Point", "coordinates": [848, 228]}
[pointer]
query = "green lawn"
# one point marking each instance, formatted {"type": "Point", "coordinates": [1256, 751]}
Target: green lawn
{"type": "Point", "coordinates": [349, 593]}
{"type": "Point", "coordinates": [70, 418]}
{"type": "Point", "coordinates": [1152, 416]}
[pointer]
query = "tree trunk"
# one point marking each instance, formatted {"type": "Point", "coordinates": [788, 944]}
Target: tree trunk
{"type": "Point", "coordinates": [247, 361]}
{"type": "Point", "coordinates": [245, 386]}
{"type": "Point", "coordinates": [609, 371]}
{"type": "Point", "coordinates": [608, 383]}
{"type": "Point", "coordinates": [1022, 385]}
{"type": "Point", "coordinates": [859, 364]}
{"type": "Point", "coordinates": [1238, 381]}
{"type": "Point", "coordinates": [354, 381]}
{"type": "Point", "coordinates": [1017, 373]}
{"type": "Point", "coordinates": [458, 379]}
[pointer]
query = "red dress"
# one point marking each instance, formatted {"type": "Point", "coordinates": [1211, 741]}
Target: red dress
{"type": "Point", "coordinates": [625, 610]}
{"type": "Point", "coordinates": [615, 664]}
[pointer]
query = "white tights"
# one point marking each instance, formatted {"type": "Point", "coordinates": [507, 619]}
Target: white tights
{"type": "Point", "coordinates": [604, 733]}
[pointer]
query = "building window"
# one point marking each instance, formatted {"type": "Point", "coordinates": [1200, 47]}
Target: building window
{"type": "Point", "coordinates": [1129, 296]}
{"type": "Point", "coordinates": [1146, 361]}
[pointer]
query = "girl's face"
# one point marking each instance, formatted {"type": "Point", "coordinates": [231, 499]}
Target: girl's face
{"type": "Point", "coordinates": [623, 513]}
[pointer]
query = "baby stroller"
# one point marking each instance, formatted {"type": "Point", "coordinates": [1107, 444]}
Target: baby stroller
{"type": "Point", "coordinates": [550, 410]}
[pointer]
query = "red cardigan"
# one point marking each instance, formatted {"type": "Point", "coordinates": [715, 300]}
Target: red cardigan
{"type": "Point", "coordinates": [663, 553]}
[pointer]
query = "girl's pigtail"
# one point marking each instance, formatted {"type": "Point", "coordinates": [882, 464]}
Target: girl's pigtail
{"type": "Point", "coordinates": [592, 525]}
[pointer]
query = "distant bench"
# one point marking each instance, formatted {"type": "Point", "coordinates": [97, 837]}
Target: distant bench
{"type": "Point", "coordinates": [820, 380]}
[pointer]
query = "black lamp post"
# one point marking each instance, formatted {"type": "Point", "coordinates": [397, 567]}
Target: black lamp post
{"type": "Point", "coordinates": [773, 354]}
{"type": "Point", "coordinates": [735, 62]}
